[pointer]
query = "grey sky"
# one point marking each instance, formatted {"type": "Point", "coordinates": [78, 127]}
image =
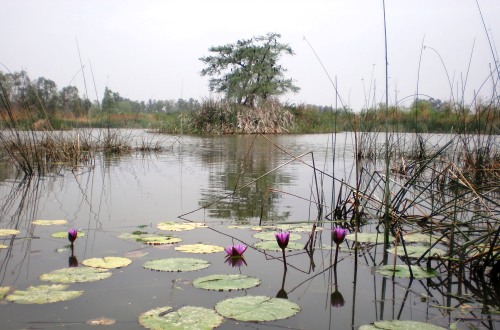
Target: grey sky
{"type": "Point", "coordinates": [151, 49]}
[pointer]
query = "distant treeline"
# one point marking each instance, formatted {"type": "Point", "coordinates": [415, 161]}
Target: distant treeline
{"type": "Point", "coordinates": [40, 101]}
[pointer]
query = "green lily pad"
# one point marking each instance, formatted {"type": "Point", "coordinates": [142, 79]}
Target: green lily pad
{"type": "Point", "coordinates": [43, 294]}
{"type": "Point", "coordinates": [7, 232]}
{"type": "Point", "coordinates": [159, 240]}
{"type": "Point", "coordinates": [226, 282]}
{"type": "Point", "coordinates": [403, 271]}
{"type": "Point", "coordinates": [260, 228]}
{"type": "Point", "coordinates": [4, 290]}
{"type": "Point", "coordinates": [2, 246]}
{"type": "Point", "coordinates": [184, 318]}
{"type": "Point", "coordinates": [107, 262]}
{"type": "Point", "coordinates": [298, 227]}
{"type": "Point", "coordinates": [269, 236]}
{"type": "Point", "coordinates": [257, 308]}
{"type": "Point", "coordinates": [368, 238]}
{"type": "Point", "coordinates": [76, 275]}
{"type": "Point", "coordinates": [49, 222]}
{"type": "Point", "coordinates": [416, 251]}
{"type": "Point", "coordinates": [199, 248]}
{"type": "Point", "coordinates": [400, 325]}
{"type": "Point", "coordinates": [176, 264]}
{"type": "Point", "coordinates": [174, 226]}
{"type": "Point", "coordinates": [64, 234]}
{"type": "Point", "coordinates": [273, 246]}
{"type": "Point", "coordinates": [420, 238]}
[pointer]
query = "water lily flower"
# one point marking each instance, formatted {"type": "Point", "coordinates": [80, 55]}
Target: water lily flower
{"type": "Point", "coordinates": [338, 235]}
{"type": "Point", "coordinates": [72, 234]}
{"type": "Point", "coordinates": [236, 251]}
{"type": "Point", "coordinates": [282, 238]}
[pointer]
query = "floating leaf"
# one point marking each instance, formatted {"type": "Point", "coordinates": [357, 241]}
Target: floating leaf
{"type": "Point", "coordinates": [269, 236]}
{"type": "Point", "coordinates": [176, 264]}
{"type": "Point", "coordinates": [403, 271]}
{"type": "Point", "coordinates": [2, 246]}
{"type": "Point", "coordinates": [420, 238]}
{"type": "Point", "coordinates": [4, 290]}
{"type": "Point", "coordinates": [64, 234]}
{"type": "Point", "coordinates": [101, 321]}
{"type": "Point", "coordinates": [199, 248]}
{"type": "Point", "coordinates": [135, 254]}
{"type": "Point", "coordinates": [273, 246]}
{"type": "Point", "coordinates": [368, 238]}
{"type": "Point", "coordinates": [416, 251]}
{"type": "Point", "coordinates": [43, 294]}
{"type": "Point", "coordinates": [184, 318]}
{"type": "Point", "coordinates": [49, 222]}
{"type": "Point", "coordinates": [400, 325]}
{"type": "Point", "coordinates": [260, 228]}
{"type": "Point", "coordinates": [174, 226]}
{"type": "Point", "coordinates": [298, 227]}
{"type": "Point", "coordinates": [7, 232]}
{"type": "Point", "coordinates": [159, 240]}
{"type": "Point", "coordinates": [107, 262]}
{"type": "Point", "coordinates": [197, 224]}
{"type": "Point", "coordinates": [257, 308]}
{"type": "Point", "coordinates": [76, 275]}
{"type": "Point", "coordinates": [226, 282]}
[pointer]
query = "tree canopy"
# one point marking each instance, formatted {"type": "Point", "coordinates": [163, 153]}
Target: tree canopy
{"type": "Point", "coordinates": [248, 71]}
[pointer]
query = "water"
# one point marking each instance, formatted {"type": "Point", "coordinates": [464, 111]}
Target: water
{"type": "Point", "coordinates": [219, 181]}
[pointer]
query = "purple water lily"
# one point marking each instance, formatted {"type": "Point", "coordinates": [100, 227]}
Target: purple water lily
{"type": "Point", "coordinates": [72, 234]}
{"type": "Point", "coordinates": [282, 238]}
{"type": "Point", "coordinates": [236, 251]}
{"type": "Point", "coordinates": [338, 235]}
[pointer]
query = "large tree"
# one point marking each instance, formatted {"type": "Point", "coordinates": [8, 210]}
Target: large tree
{"type": "Point", "coordinates": [248, 71]}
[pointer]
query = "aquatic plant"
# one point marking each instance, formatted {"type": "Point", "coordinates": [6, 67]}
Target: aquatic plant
{"type": "Point", "coordinates": [338, 236]}
{"type": "Point", "coordinates": [72, 235]}
{"type": "Point", "coordinates": [282, 238]}
{"type": "Point", "coordinates": [235, 251]}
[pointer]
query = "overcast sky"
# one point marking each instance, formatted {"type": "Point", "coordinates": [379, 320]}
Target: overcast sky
{"type": "Point", "coordinates": [151, 49]}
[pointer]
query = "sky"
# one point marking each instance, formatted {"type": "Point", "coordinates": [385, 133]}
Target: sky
{"type": "Point", "coordinates": [150, 49]}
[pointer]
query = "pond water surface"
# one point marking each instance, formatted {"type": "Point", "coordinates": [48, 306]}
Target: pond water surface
{"type": "Point", "coordinates": [226, 183]}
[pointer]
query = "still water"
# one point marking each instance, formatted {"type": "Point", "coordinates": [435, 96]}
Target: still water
{"type": "Point", "coordinates": [224, 182]}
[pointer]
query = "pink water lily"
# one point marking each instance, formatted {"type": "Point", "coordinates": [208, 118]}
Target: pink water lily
{"type": "Point", "coordinates": [338, 235]}
{"type": "Point", "coordinates": [236, 251]}
{"type": "Point", "coordinates": [72, 234]}
{"type": "Point", "coordinates": [282, 238]}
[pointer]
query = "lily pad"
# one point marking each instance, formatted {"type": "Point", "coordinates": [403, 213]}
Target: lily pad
{"type": "Point", "coordinates": [4, 290]}
{"type": "Point", "coordinates": [64, 234]}
{"type": "Point", "coordinates": [49, 222]}
{"type": "Point", "coordinates": [184, 318]}
{"type": "Point", "coordinates": [199, 248]}
{"type": "Point", "coordinates": [403, 271]}
{"type": "Point", "coordinates": [43, 294]}
{"type": "Point", "coordinates": [416, 251]}
{"type": "Point", "coordinates": [159, 240]}
{"type": "Point", "coordinates": [299, 227]}
{"type": "Point", "coordinates": [420, 238]}
{"type": "Point", "coordinates": [176, 264]}
{"type": "Point", "coordinates": [400, 325]}
{"type": "Point", "coordinates": [107, 262]}
{"type": "Point", "coordinates": [368, 238]}
{"type": "Point", "coordinates": [7, 232]}
{"type": "Point", "coordinates": [76, 275]}
{"type": "Point", "coordinates": [257, 308]}
{"type": "Point", "coordinates": [101, 321]}
{"type": "Point", "coordinates": [269, 236]}
{"type": "Point", "coordinates": [273, 246]}
{"type": "Point", "coordinates": [226, 282]}
{"type": "Point", "coordinates": [2, 246]}
{"type": "Point", "coordinates": [174, 226]}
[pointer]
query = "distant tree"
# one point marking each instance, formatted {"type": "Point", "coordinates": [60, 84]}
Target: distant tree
{"type": "Point", "coordinates": [46, 94]}
{"type": "Point", "coordinates": [248, 71]}
{"type": "Point", "coordinates": [70, 100]}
